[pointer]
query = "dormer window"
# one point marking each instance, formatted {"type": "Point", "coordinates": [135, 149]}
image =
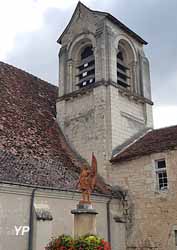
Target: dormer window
{"type": "Point", "coordinates": [86, 67]}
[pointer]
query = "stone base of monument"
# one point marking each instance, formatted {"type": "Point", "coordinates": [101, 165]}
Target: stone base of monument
{"type": "Point", "coordinates": [84, 220]}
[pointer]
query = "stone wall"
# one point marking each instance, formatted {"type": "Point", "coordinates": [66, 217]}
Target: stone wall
{"type": "Point", "coordinates": [152, 215]}
{"type": "Point", "coordinates": [128, 116]}
{"type": "Point", "coordinates": [15, 209]}
{"type": "Point", "coordinates": [86, 122]}
{"type": "Point", "coordinates": [105, 115]}
{"type": "Point", "coordinates": [99, 120]}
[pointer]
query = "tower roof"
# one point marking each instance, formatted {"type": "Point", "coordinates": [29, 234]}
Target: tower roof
{"type": "Point", "coordinates": [107, 15]}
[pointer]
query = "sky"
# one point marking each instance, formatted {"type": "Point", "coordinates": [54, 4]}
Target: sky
{"type": "Point", "coordinates": [29, 30]}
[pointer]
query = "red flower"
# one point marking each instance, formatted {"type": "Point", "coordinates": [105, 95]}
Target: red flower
{"type": "Point", "coordinates": [106, 246]}
{"type": "Point", "coordinates": [100, 247]}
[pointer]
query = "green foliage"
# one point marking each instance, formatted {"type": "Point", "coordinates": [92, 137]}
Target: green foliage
{"type": "Point", "coordinates": [63, 242]}
{"type": "Point", "coordinates": [88, 242]}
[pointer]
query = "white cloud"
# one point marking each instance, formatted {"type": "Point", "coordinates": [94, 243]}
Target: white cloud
{"type": "Point", "coordinates": [165, 116]}
{"type": "Point", "coordinates": [17, 16]}
{"type": "Point", "coordinates": [25, 16]}
{"type": "Point", "coordinates": [20, 16]}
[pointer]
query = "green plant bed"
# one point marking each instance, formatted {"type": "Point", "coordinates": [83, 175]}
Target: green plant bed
{"type": "Point", "coordinates": [88, 242]}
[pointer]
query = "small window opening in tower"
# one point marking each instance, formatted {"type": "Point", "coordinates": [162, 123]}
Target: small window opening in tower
{"type": "Point", "coordinates": [122, 70]}
{"type": "Point", "coordinates": [86, 68]}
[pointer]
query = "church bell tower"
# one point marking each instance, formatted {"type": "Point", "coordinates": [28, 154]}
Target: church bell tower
{"type": "Point", "coordinates": [104, 85]}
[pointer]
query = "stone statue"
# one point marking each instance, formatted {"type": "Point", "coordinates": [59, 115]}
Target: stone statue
{"type": "Point", "coordinates": [87, 180]}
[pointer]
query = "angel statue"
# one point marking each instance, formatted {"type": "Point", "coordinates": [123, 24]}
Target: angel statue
{"type": "Point", "coordinates": [87, 180]}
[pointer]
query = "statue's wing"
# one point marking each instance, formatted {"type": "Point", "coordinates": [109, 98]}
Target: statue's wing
{"type": "Point", "coordinates": [94, 165]}
{"type": "Point", "coordinates": [93, 171]}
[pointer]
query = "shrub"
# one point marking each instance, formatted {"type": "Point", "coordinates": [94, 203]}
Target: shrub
{"type": "Point", "coordinates": [88, 242]}
{"type": "Point", "coordinates": [63, 242]}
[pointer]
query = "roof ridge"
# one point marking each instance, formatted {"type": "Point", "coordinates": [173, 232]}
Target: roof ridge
{"type": "Point", "coordinates": [154, 141]}
{"type": "Point", "coordinates": [132, 142]}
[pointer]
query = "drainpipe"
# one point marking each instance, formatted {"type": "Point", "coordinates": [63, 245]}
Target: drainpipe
{"type": "Point", "coordinates": [30, 238]}
{"type": "Point", "coordinates": [109, 220]}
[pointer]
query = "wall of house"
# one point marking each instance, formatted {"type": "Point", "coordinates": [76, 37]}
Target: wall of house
{"type": "Point", "coordinates": [152, 214]}
{"type": "Point", "coordinates": [14, 209]}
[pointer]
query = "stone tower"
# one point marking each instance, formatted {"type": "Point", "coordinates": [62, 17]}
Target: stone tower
{"type": "Point", "coordinates": [104, 84]}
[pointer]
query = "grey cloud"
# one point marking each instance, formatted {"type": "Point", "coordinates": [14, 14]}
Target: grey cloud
{"type": "Point", "coordinates": [37, 51]}
{"type": "Point", "coordinates": [154, 20]}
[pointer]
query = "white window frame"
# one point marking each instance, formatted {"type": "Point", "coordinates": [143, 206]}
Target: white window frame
{"type": "Point", "coordinates": [158, 171]}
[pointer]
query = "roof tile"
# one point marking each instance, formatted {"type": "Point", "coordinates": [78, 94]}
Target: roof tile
{"type": "Point", "coordinates": [33, 149]}
{"type": "Point", "coordinates": [154, 141]}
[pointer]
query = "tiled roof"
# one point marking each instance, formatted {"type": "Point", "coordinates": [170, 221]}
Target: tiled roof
{"type": "Point", "coordinates": [154, 141]}
{"type": "Point", "coordinates": [33, 149]}
{"type": "Point", "coordinates": [38, 172]}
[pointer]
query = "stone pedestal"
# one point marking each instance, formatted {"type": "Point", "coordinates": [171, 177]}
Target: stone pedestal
{"type": "Point", "coordinates": [84, 220]}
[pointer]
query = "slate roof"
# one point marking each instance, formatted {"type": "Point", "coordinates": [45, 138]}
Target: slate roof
{"type": "Point", "coordinates": [154, 141]}
{"type": "Point", "coordinates": [33, 149]}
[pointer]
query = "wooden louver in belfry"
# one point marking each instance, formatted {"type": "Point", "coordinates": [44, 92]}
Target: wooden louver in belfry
{"type": "Point", "coordinates": [86, 67]}
{"type": "Point", "coordinates": [122, 75]}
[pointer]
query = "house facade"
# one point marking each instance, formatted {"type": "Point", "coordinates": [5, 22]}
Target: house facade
{"type": "Point", "coordinates": [147, 168]}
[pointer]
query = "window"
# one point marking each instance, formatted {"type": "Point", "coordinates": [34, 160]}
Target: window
{"type": "Point", "coordinates": [175, 232]}
{"type": "Point", "coordinates": [122, 76]}
{"type": "Point", "coordinates": [127, 65]}
{"type": "Point", "coordinates": [125, 59]}
{"type": "Point", "coordinates": [161, 174]}
{"type": "Point", "coordinates": [86, 68]}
